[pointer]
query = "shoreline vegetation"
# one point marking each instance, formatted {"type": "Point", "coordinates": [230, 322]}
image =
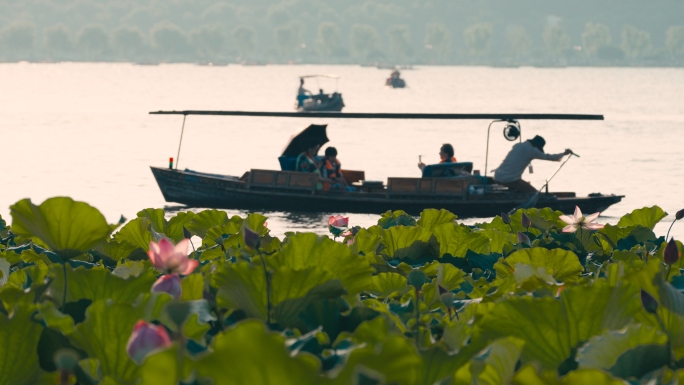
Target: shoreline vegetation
{"type": "Point", "coordinates": [532, 297]}
{"type": "Point", "coordinates": [384, 33]}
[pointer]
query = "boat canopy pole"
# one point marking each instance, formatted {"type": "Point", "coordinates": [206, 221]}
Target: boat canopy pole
{"type": "Point", "coordinates": [489, 128]}
{"type": "Point", "coordinates": [181, 141]}
{"type": "Point", "coordinates": [372, 115]}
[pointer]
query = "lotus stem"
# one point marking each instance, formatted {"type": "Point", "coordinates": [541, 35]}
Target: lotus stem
{"type": "Point", "coordinates": [668, 230]}
{"type": "Point", "coordinates": [268, 288]}
{"type": "Point", "coordinates": [180, 356]}
{"type": "Point", "coordinates": [417, 313]}
{"type": "Point", "coordinates": [64, 294]}
{"type": "Point", "coordinates": [667, 276]}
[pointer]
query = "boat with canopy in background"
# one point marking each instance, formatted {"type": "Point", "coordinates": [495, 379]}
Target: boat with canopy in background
{"type": "Point", "coordinates": [451, 186]}
{"type": "Point", "coordinates": [318, 102]}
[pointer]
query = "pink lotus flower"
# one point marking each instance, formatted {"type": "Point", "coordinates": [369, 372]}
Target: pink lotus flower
{"type": "Point", "coordinates": [169, 283]}
{"type": "Point", "coordinates": [337, 224]}
{"type": "Point", "coordinates": [578, 220]}
{"type": "Point", "coordinates": [145, 339]}
{"type": "Point", "coordinates": [167, 258]}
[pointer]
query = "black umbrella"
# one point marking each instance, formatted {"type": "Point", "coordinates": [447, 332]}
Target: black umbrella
{"type": "Point", "coordinates": [315, 133]}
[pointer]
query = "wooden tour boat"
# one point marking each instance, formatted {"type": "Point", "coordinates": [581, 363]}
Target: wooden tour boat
{"type": "Point", "coordinates": [450, 186]}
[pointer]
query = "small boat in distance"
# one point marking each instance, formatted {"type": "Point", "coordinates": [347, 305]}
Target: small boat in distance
{"type": "Point", "coordinates": [451, 186]}
{"type": "Point", "coordinates": [308, 101]}
{"type": "Point", "coordinates": [395, 80]}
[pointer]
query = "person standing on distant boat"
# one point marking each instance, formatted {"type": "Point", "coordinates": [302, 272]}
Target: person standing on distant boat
{"type": "Point", "coordinates": [509, 173]}
{"type": "Point", "coordinates": [302, 93]}
{"type": "Point", "coordinates": [446, 155]}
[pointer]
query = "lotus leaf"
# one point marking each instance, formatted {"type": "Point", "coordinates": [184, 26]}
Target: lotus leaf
{"type": "Point", "coordinates": [395, 218]}
{"type": "Point", "coordinates": [19, 338]}
{"type": "Point", "coordinates": [385, 284]}
{"type": "Point", "coordinates": [563, 265]}
{"type": "Point", "coordinates": [201, 222]}
{"type": "Point", "coordinates": [67, 227]}
{"type": "Point", "coordinates": [396, 359]}
{"type": "Point", "coordinates": [431, 217]}
{"type": "Point", "coordinates": [646, 216]}
{"type": "Point", "coordinates": [495, 365]}
{"type": "Point", "coordinates": [104, 335]}
{"type": "Point", "coordinates": [247, 354]}
{"type": "Point", "coordinates": [631, 352]}
{"type": "Point", "coordinates": [410, 243]}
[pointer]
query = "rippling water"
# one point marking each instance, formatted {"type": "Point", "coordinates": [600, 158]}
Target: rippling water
{"type": "Point", "coordinates": [83, 130]}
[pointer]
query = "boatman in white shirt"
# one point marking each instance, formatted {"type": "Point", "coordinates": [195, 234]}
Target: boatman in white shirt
{"type": "Point", "coordinates": [510, 172]}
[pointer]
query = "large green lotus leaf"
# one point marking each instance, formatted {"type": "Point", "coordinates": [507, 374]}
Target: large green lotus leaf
{"type": "Point", "coordinates": [456, 240]}
{"type": "Point", "coordinates": [563, 265]}
{"type": "Point", "coordinates": [438, 365]}
{"type": "Point", "coordinates": [287, 312]}
{"type": "Point", "coordinates": [241, 286]}
{"type": "Point", "coordinates": [174, 227]}
{"type": "Point", "coordinates": [498, 239]}
{"type": "Point", "coordinates": [385, 284]}
{"type": "Point", "coordinates": [430, 218]}
{"type": "Point", "coordinates": [137, 232]}
{"type": "Point", "coordinates": [192, 287]}
{"type": "Point", "coordinates": [543, 219]}
{"type": "Point", "coordinates": [366, 242]}
{"type": "Point", "coordinates": [116, 250]}
{"type": "Point", "coordinates": [494, 365]}
{"type": "Point", "coordinates": [305, 250]}
{"type": "Point", "coordinates": [631, 352]}
{"type": "Point", "coordinates": [373, 331]}
{"type": "Point", "coordinates": [396, 359]}
{"type": "Point", "coordinates": [98, 283]}
{"type": "Point", "coordinates": [156, 218]}
{"type": "Point", "coordinates": [646, 216]}
{"type": "Point", "coordinates": [67, 227]}
{"type": "Point", "coordinates": [19, 337]}
{"type": "Point", "coordinates": [411, 243]}
{"type": "Point", "coordinates": [55, 319]}
{"type": "Point", "coordinates": [395, 218]}
{"type": "Point", "coordinates": [104, 335]}
{"type": "Point", "coordinates": [161, 368]}
{"type": "Point", "coordinates": [528, 376]}
{"type": "Point", "coordinates": [201, 222]}
{"type": "Point", "coordinates": [247, 354]}
{"type": "Point", "coordinates": [551, 327]}
{"type": "Point", "coordinates": [615, 233]}
{"type": "Point", "coordinates": [222, 232]}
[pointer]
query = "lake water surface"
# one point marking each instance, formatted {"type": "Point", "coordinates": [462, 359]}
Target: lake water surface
{"type": "Point", "coordinates": [83, 130]}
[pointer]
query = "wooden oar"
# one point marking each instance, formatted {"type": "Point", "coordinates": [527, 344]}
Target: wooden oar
{"type": "Point", "coordinates": [533, 201]}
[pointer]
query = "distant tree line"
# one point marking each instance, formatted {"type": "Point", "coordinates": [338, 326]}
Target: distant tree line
{"type": "Point", "coordinates": [363, 33]}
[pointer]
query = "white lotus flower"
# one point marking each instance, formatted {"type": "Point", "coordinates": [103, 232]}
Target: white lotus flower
{"type": "Point", "coordinates": [578, 220]}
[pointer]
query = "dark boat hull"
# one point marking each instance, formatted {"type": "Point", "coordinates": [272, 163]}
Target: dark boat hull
{"type": "Point", "coordinates": [215, 191]}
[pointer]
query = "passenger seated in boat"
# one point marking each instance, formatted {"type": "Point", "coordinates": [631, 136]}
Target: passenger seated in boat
{"type": "Point", "coordinates": [306, 161]}
{"type": "Point", "coordinates": [446, 155]}
{"type": "Point", "coordinates": [331, 171]}
{"type": "Point", "coordinates": [302, 93]}
{"type": "Point", "coordinates": [510, 172]}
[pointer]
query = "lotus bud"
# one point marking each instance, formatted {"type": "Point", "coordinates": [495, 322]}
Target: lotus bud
{"type": "Point", "coordinates": [523, 238]}
{"type": "Point", "coordinates": [505, 218]}
{"type": "Point", "coordinates": [66, 359]}
{"type": "Point", "coordinates": [169, 283]}
{"type": "Point", "coordinates": [680, 214]}
{"type": "Point", "coordinates": [417, 279]}
{"type": "Point", "coordinates": [650, 304]}
{"type": "Point", "coordinates": [671, 253]}
{"type": "Point", "coordinates": [526, 221]}
{"type": "Point", "coordinates": [337, 224]}
{"type": "Point", "coordinates": [145, 339]}
{"type": "Point", "coordinates": [251, 238]}
{"type": "Point", "coordinates": [186, 233]}
{"type": "Point", "coordinates": [447, 299]}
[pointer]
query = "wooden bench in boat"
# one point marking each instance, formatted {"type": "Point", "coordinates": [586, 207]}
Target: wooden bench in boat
{"type": "Point", "coordinates": [455, 187]}
{"type": "Point", "coordinates": [285, 180]}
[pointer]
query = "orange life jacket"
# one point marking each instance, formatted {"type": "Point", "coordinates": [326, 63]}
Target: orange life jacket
{"type": "Point", "coordinates": [452, 160]}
